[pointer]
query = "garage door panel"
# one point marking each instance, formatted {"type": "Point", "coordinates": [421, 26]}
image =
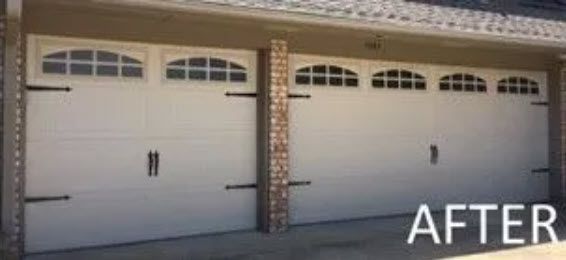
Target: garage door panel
{"type": "Point", "coordinates": [179, 112]}
{"type": "Point", "coordinates": [86, 112]}
{"type": "Point", "coordinates": [84, 220]}
{"type": "Point", "coordinates": [194, 161]}
{"type": "Point", "coordinates": [350, 197]}
{"type": "Point", "coordinates": [85, 166]}
{"type": "Point", "coordinates": [218, 210]}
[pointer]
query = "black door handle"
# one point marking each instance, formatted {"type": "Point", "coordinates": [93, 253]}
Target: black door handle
{"type": "Point", "coordinates": [150, 163]}
{"type": "Point", "coordinates": [433, 154]}
{"type": "Point", "coordinates": [156, 163]}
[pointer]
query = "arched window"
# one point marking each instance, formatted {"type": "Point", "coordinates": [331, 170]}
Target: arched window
{"type": "Point", "coordinates": [326, 75]}
{"type": "Point", "coordinates": [398, 79]}
{"type": "Point", "coordinates": [87, 62]}
{"type": "Point", "coordinates": [518, 85]}
{"type": "Point", "coordinates": [463, 82]}
{"type": "Point", "coordinates": [206, 69]}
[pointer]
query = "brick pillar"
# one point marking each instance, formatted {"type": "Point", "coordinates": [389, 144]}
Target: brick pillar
{"type": "Point", "coordinates": [563, 132]}
{"type": "Point", "coordinates": [276, 191]}
{"type": "Point", "coordinates": [13, 119]}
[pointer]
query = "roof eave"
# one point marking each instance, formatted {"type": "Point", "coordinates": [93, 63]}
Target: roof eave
{"type": "Point", "coordinates": [285, 16]}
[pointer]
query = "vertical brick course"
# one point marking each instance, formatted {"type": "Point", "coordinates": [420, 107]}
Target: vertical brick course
{"type": "Point", "coordinates": [278, 129]}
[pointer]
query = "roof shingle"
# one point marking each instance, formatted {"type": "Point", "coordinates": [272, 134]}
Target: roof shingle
{"type": "Point", "coordinates": [515, 20]}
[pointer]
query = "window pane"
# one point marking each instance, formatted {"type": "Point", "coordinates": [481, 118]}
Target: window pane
{"type": "Point", "coordinates": [319, 80]}
{"type": "Point", "coordinates": [84, 55]}
{"type": "Point", "coordinates": [420, 85]}
{"type": "Point", "coordinates": [238, 77]}
{"type": "Point", "coordinates": [534, 91]}
{"type": "Point", "coordinates": [379, 75]}
{"type": "Point", "coordinates": [378, 83]}
{"type": "Point", "coordinates": [335, 81]}
{"type": "Point", "coordinates": [457, 77]}
{"type": "Point", "coordinates": [393, 74]}
{"type": "Point", "coordinates": [513, 90]}
{"type": "Point", "coordinates": [197, 75]}
{"type": "Point", "coordinates": [444, 86]}
{"type": "Point", "coordinates": [236, 66]}
{"type": "Point", "coordinates": [524, 90]}
{"type": "Point", "coordinates": [406, 84]}
{"type": "Point", "coordinates": [105, 70]}
{"type": "Point", "coordinates": [81, 69]}
{"type": "Point", "coordinates": [218, 63]}
{"type": "Point", "coordinates": [198, 62]}
{"type": "Point", "coordinates": [182, 62]}
{"type": "Point", "coordinates": [305, 70]}
{"type": "Point", "coordinates": [176, 74]}
{"type": "Point", "coordinates": [469, 87]}
{"type": "Point", "coordinates": [481, 88]}
{"type": "Point", "coordinates": [302, 80]}
{"type": "Point", "coordinates": [468, 77]}
{"type": "Point", "coordinates": [457, 86]}
{"type": "Point", "coordinates": [319, 69]}
{"type": "Point", "coordinates": [501, 89]}
{"type": "Point", "coordinates": [335, 70]}
{"type": "Point", "coordinates": [58, 55]}
{"type": "Point", "coordinates": [524, 81]}
{"type": "Point", "coordinates": [106, 56]}
{"type": "Point", "coordinates": [351, 82]}
{"type": "Point", "coordinates": [406, 74]}
{"type": "Point", "coordinates": [132, 72]}
{"type": "Point", "coordinates": [513, 80]}
{"type": "Point", "coordinates": [350, 73]}
{"type": "Point", "coordinates": [393, 84]}
{"type": "Point", "coordinates": [54, 67]}
{"type": "Point", "coordinates": [129, 60]}
{"type": "Point", "coordinates": [218, 75]}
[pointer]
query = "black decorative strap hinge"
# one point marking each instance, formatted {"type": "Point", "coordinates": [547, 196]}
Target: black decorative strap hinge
{"type": "Point", "coordinates": [541, 170]}
{"type": "Point", "coordinates": [241, 94]}
{"type": "Point", "coordinates": [48, 88]}
{"type": "Point", "coordinates": [299, 183]}
{"type": "Point", "coordinates": [46, 199]}
{"type": "Point", "coordinates": [539, 103]}
{"type": "Point", "coordinates": [241, 186]}
{"type": "Point", "coordinates": [307, 96]}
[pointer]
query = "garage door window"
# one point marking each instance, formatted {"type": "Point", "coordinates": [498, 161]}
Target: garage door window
{"type": "Point", "coordinates": [206, 69]}
{"type": "Point", "coordinates": [398, 79]}
{"type": "Point", "coordinates": [94, 63]}
{"type": "Point", "coordinates": [326, 75]}
{"type": "Point", "coordinates": [463, 82]}
{"type": "Point", "coordinates": [518, 85]}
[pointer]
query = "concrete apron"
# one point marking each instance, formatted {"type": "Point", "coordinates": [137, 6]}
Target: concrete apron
{"type": "Point", "coordinates": [375, 238]}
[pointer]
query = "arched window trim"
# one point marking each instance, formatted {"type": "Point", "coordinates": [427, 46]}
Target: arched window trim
{"type": "Point", "coordinates": [206, 68]}
{"type": "Point", "coordinates": [463, 82]}
{"type": "Point", "coordinates": [91, 62]}
{"type": "Point", "coordinates": [518, 85]}
{"type": "Point", "coordinates": [326, 74]}
{"type": "Point", "coordinates": [398, 78]}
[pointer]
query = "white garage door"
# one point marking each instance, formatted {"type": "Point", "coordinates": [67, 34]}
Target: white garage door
{"type": "Point", "coordinates": [380, 138]}
{"type": "Point", "coordinates": [141, 148]}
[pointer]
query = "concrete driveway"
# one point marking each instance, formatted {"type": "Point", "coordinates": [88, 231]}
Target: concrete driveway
{"type": "Point", "coordinates": [376, 238]}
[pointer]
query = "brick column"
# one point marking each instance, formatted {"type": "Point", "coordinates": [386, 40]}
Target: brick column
{"type": "Point", "coordinates": [274, 190]}
{"type": "Point", "coordinates": [13, 119]}
{"type": "Point", "coordinates": [562, 152]}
